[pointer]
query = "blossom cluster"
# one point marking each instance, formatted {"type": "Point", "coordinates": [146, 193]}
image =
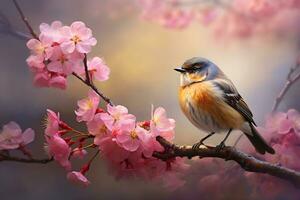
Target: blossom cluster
{"type": "Point", "coordinates": [12, 137]}
{"type": "Point", "coordinates": [282, 132]}
{"type": "Point", "coordinates": [214, 178]}
{"type": "Point", "coordinates": [59, 51]}
{"type": "Point", "coordinates": [237, 18]}
{"type": "Point", "coordinates": [124, 143]}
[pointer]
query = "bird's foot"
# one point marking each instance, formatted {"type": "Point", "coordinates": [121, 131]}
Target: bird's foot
{"type": "Point", "coordinates": [197, 145]}
{"type": "Point", "coordinates": [220, 146]}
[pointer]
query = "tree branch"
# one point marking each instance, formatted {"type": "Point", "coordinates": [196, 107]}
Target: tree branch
{"type": "Point", "coordinates": [93, 87]}
{"type": "Point", "coordinates": [247, 162]}
{"type": "Point", "coordinates": [24, 160]}
{"type": "Point", "coordinates": [289, 82]}
{"type": "Point", "coordinates": [25, 20]}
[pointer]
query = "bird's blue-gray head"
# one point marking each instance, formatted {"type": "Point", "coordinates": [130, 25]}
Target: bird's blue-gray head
{"type": "Point", "coordinates": [196, 70]}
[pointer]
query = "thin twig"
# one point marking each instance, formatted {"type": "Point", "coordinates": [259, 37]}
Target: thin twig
{"type": "Point", "coordinates": [24, 160]}
{"type": "Point", "coordinates": [93, 87]}
{"type": "Point", "coordinates": [238, 139]}
{"type": "Point", "coordinates": [86, 70]}
{"type": "Point", "coordinates": [247, 162]}
{"type": "Point", "coordinates": [25, 20]}
{"type": "Point", "coordinates": [289, 82]}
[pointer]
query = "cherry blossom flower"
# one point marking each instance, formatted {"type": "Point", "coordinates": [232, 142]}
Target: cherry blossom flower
{"type": "Point", "coordinates": [78, 178]}
{"type": "Point", "coordinates": [63, 63]}
{"type": "Point", "coordinates": [87, 107]}
{"type": "Point", "coordinates": [176, 18]}
{"type": "Point", "coordinates": [240, 18]}
{"type": "Point", "coordinates": [11, 136]}
{"type": "Point", "coordinates": [96, 68]}
{"type": "Point", "coordinates": [78, 37]}
{"type": "Point", "coordinates": [41, 79]}
{"type": "Point", "coordinates": [59, 149]}
{"type": "Point", "coordinates": [132, 138]}
{"type": "Point", "coordinates": [112, 152]}
{"type": "Point", "coordinates": [36, 63]}
{"type": "Point", "coordinates": [52, 31]}
{"type": "Point", "coordinates": [58, 81]}
{"type": "Point", "coordinates": [42, 47]}
{"type": "Point", "coordinates": [117, 117]}
{"type": "Point", "coordinates": [161, 125]}
{"type": "Point", "coordinates": [79, 153]}
{"type": "Point", "coordinates": [97, 128]}
{"type": "Point", "coordinates": [52, 123]}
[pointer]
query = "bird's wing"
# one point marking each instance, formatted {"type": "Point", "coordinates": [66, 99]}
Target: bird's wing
{"type": "Point", "coordinates": [234, 99]}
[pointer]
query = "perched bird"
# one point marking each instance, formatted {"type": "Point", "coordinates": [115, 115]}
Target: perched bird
{"type": "Point", "coordinates": [212, 103]}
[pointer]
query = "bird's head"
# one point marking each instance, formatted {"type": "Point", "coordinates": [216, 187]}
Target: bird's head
{"type": "Point", "coordinates": [196, 70]}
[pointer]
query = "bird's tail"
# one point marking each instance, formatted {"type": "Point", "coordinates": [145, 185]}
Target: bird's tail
{"type": "Point", "coordinates": [258, 142]}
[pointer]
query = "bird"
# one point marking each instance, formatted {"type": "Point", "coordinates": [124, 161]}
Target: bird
{"type": "Point", "coordinates": [211, 102]}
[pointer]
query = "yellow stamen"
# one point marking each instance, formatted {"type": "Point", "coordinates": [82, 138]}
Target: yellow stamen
{"type": "Point", "coordinates": [133, 135]}
{"type": "Point", "coordinates": [76, 39]}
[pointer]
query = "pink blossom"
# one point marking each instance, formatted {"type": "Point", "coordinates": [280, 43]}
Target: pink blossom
{"type": "Point", "coordinates": [176, 18]}
{"type": "Point", "coordinates": [208, 15]}
{"type": "Point", "coordinates": [117, 117]}
{"type": "Point", "coordinates": [41, 79]}
{"type": "Point", "coordinates": [111, 150]}
{"type": "Point", "coordinates": [36, 63]}
{"type": "Point", "coordinates": [63, 63]}
{"type": "Point", "coordinates": [78, 37]}
{"type": "Point", "coordinates": [78, 178]}
{"type": "Point", "coordinates": [97, 69]}
{"type": "Point", "coordinates": [42, 47]}
{"type": "Point", "coordinates": [60, 150]}
{"type": "Point", "coordinates": [52, 31]}
{"type": "Point", "coordinates": [132, 138]}
{"type": "Point", "coordinates": [11, 136]}
{"type": "Point", "coordinates": [97, 128]}
{"type": "Point", "coordinates": [162, 125]}
{"type": "Point", "coordinates": [52, 123]}
{"type": "Point", "coordinates": [58, 81]}
{"type": "Point", "coordinates": [87, 107]}
{"type": "Point", "coordinates": [79, 153]}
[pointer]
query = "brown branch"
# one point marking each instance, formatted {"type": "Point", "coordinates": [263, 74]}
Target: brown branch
{"type": "Point", "coordinates": [25, 20]}
{"type": "Point", "coordinates": [93, 87]}
{"type": "Point", "coordinates": [88, 81]}
{"type": "Point", "coordinates": [289, 82]}
{"type": "Point", "coordinates": [247, 162]}
{"type": "Point", "coordinates": [24, 160]}
{"type": "Point", "coordinates": [86, 70]}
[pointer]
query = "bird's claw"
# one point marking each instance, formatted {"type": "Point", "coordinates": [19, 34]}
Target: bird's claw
{"type": "Point", "coordinates": [220, 146]}
{"type": "Point", "coordinates": [197, 145]}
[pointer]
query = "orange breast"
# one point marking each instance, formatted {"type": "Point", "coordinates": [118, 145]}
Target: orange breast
{"type": "Point", "coordinates": [204, 98]}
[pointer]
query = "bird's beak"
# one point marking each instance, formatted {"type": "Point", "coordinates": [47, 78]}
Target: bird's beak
{"type": "Point", "coordinates": [179, 69]}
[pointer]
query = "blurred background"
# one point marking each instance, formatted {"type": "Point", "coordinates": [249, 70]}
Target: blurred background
{"type": "Point", "coordinates": [141, 55]}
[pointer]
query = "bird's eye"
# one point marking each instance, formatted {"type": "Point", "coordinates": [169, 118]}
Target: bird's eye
{"type": "Point", "coordinates": [197, 66]}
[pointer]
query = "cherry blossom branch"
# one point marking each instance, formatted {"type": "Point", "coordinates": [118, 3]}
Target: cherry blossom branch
{"type": "Point", "coordinates": [93, 87]}
{"type": "Point", "coordinates": [6, 28]}
{"type": "Point", "coordinates": [25, 20]}
{"type": "Point", "coordinates": [24, 160]}
{"type": "Point", "coordinates": [247, 162]}
{"type": "Point", "coordinates": [87, 81]}
{"type": "Point", "coordinates": [289, 82]}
